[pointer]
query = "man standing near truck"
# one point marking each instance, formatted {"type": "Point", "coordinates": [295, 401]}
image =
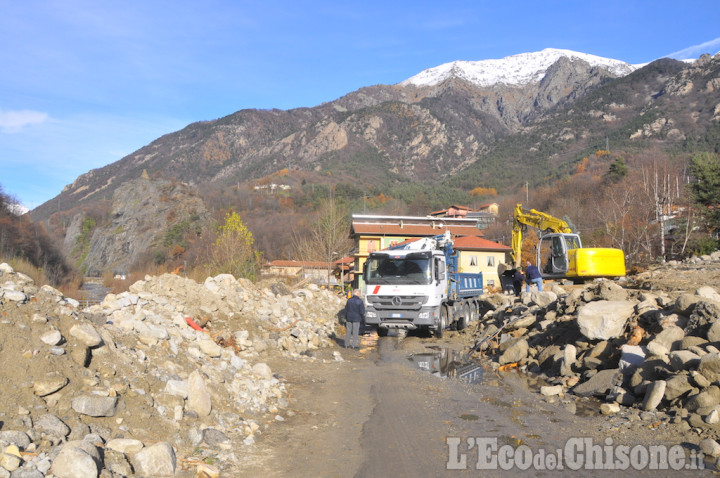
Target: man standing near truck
{"type": "Point", "coordinates": [532, 276]}
{"type": "Point", "coordinates": [354, 314]}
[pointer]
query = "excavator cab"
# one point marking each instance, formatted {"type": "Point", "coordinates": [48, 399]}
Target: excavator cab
{"type": "Point", "coordinates": [553, 253]}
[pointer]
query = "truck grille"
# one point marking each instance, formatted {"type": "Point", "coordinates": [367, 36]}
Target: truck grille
{"type": "Point", "coordinates": [397, 302]}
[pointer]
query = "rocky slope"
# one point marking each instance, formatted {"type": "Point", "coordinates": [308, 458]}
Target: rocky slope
{"type": "Point", "coordinates": [131, 388]}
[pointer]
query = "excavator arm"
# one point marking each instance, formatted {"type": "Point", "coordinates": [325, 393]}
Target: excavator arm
{"type": "Point", "coordinates": [522, 218]}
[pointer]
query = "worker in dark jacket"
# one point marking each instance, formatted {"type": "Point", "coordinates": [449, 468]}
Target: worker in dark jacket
{"type": "Point", "coordinates": [354, 315]}
{"type": "Point", "coordinates": [532, 276]}
{"type": "Point", "coordinates": [518, 279]}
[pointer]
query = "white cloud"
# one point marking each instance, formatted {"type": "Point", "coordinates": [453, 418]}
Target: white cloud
{"type": "Point", "coordinates": [14, 121]}
{"type": "Point", "coordinates": [692, 52]}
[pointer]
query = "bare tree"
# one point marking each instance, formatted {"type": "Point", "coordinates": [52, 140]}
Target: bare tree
{"type": "Point", "coordinates": [328, 237]}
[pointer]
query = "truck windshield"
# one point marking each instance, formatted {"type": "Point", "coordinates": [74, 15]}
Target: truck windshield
{"type": "Point", "coordinates": [406, 270]}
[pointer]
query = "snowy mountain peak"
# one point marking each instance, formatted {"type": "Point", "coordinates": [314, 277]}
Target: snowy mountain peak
{"type": "Point", "coordinates": [515, 70]}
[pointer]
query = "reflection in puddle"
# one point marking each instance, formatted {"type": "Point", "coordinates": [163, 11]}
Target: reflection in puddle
{"type": "Point", "coordinates": [445, 362]}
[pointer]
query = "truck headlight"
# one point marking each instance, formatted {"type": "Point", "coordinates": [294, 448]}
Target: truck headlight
{"type": "Point", "coordinates": [370, 313]}
{"type": "Point", "coordinates": [424, 315]}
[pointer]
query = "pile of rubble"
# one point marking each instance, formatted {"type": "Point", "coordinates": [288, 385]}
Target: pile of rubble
{"type": "Point", "coordinates": [640, 351]}
{"type": "Point", "coordinates": [168, 378]}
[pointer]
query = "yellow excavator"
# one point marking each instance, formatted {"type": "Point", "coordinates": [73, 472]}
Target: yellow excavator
{"type": "Point", "coordinates": [560, 253]}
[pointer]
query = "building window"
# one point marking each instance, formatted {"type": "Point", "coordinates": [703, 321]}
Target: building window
{"type": "Point", "coordinates": [473, 261]}
{"type": "Point", "coordinates": [491, 261]}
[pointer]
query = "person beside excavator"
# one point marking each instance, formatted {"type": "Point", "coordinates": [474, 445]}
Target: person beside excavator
{"type": "Point", "coordinates": [532, 276]}
{"type": "Point", "coordinates": [518, 279]}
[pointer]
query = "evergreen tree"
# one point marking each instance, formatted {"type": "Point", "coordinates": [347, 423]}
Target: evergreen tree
{"type": "Point", "coordinates": [618, 170]}
{"type": "Point", "coordinates": [705, 189]}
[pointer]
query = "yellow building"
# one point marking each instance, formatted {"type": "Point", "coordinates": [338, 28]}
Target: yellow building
{"type": "Point", "coordinates": [476, 254]}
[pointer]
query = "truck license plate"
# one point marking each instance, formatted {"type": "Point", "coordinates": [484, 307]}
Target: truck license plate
{"type": "Point", "coordinates": [396, 316]}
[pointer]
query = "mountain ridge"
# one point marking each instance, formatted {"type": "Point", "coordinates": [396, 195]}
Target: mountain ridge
{"type": "Point", "coordinates": [515, 70]}
{"type": "Point", "coordinates": [405, 141]}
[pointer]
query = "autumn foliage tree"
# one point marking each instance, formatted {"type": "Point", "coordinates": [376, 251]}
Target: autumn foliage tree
{"type": "Point", "coordinates": [480, 192]}
{"type": "Point", "coordinates": [233, 251]}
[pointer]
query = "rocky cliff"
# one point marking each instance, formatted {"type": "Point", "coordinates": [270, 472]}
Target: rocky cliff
{"type": "Point", "coordinates": [144, 214]}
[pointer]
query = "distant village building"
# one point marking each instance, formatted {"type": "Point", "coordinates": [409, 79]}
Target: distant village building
{"type": "Point", "coordinates": [272, 187]}
{"type": "Point", "coordinates": [476, 254]}
{"type": "Point", "coordinates": [485, 214]}
{"type": "Point", "coordinates": [341, 271]}
{"type": "Point", "coordinates": [315, 271]}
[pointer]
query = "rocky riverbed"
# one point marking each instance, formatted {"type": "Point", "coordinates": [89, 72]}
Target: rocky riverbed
{"type": "Point", "coordinates": [179, 378]}
{"type": "Point", "coordinates": [648, 347]}
{"type": "Point", "coordinates": [129, 387]}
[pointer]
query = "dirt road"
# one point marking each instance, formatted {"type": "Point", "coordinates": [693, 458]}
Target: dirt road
{"type": "Point", "coordinates": [382, 413]}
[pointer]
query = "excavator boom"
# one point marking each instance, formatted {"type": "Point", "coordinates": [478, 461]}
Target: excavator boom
{"type": "Point", "coordinates": [523, 217]}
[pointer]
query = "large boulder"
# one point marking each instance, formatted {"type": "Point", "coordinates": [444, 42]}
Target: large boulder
{"type": "Point", "coordinates": [604, 319]}
{"type": "Point", "coordinates": [156, 460]}
{"type": "Point", "coordinates": [654, 395]}
{"type": "Point", "coordinates": [544, 298]}
{"type": "Point", "coordinates": [513, 350]}
{"type": "Point", "coordinates": [703, 316]}
{"type": "Point", "coordinates": [685, 303]}
{"type": "Point", "coordinates": [710, 367]}
{"type": "Point", "coordinates": [707, 398]}
{"type": "Point", "coordinates": [599, 384]}
{"type": "Point", "coordinates": [199, 400]}
{"type": "Point", "coordinates": [667, 340]}
{"type": "Point", "coordinates": [611, 291]}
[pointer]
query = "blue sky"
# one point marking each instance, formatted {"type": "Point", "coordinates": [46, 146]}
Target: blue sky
{"type": "Point", "coordinates": [84, 83]}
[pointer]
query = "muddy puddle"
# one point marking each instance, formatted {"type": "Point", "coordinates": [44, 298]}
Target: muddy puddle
{"type": "Point", "coordinates": [447, 363]}
{"type": "Point", "coordinates": [444, 362]}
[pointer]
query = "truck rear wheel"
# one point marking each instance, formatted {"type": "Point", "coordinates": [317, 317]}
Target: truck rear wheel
{"type": "Point", "coordinates": [464, 318]}
{"type": "Point", "coordinates": [440, 330]}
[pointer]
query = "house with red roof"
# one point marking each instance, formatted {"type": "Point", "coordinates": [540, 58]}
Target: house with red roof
{"type": "Point", "coordinates": [477, 254]}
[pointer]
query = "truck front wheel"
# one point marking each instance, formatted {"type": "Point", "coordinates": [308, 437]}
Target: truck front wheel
{"type": "Point", "coordinates": [382, 331]}
{"type": "Point", "coordinates": [440, 330]}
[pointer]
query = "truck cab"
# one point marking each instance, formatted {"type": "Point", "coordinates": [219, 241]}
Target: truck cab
{"type": "Point", "coordinates": [404, 288]}
{"type": "Point", "coordinates": [417, 286]}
